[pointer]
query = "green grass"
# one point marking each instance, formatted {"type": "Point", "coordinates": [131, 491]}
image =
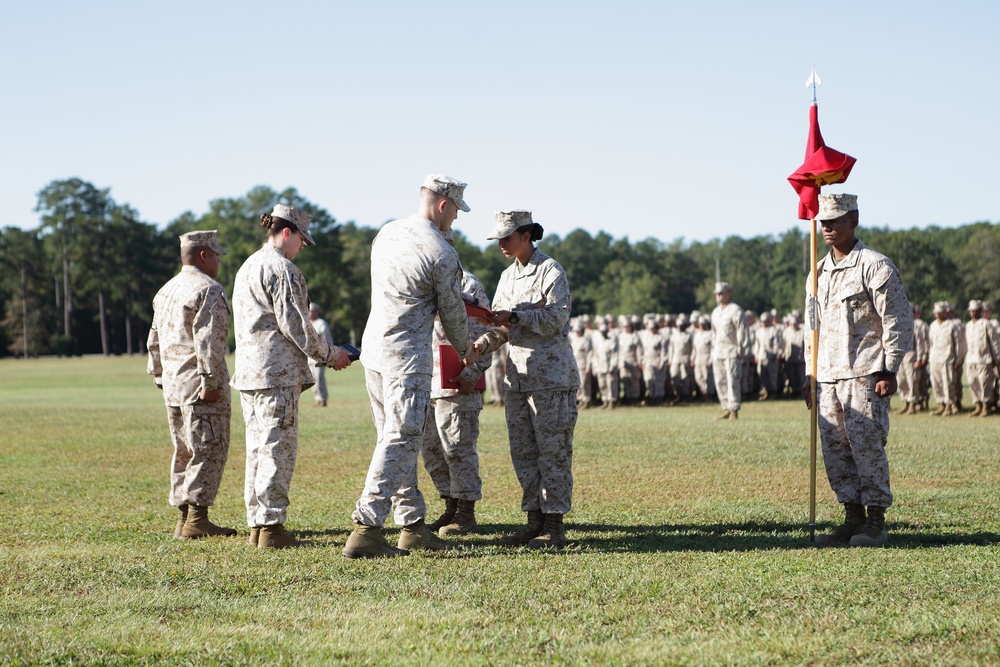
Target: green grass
{"type": "Point", "coordinates": [689, 545]}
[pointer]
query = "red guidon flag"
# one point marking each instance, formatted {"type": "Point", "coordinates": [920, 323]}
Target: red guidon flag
{"type": "Point", "coordinates": [823, 166]}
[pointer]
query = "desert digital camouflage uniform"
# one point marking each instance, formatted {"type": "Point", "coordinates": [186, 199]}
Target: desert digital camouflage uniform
{"type": "Point", "coordinates": [319, 371]}
{"type": "Point", "coordinates": [909, 381]}
{"type": "Point", "coordinates": [793, 341]}
{"type": "Point", "coordinates": [946, 353]}
{"type": "Point", "coordinates": [541, 383]}
{"type": "Point", "coordinates": [274, 344]}
{"type": "Point", "coordinates": [583, 352]}
{"type": "Point", "coordinates": [865, 328]}
{"type": "Point", "coordinates": [187, 353]}
{"type": "Point", "coordinates": [606, 365]}
{"type": "Point", "coordinates": [702, 346]}
{"type": "Point", "coordinates": [749, 378]}
{"type": "Point", "coordinates": [415, 276]}
{"type": "Point", "coordinates": [654, 362]}
{"type": "Point", "coordinates": [921, 348]}
{"type": "Point", "coordinates": [680, 349]}
{"type": "Point", "coordinates": [449, 444]}
{"type": "Point", "coordinates": [629, 360]}
{"type": "Point", "coordinates": [495, 375]}
{"type": "Point", "coordinates": [983, 352]}
{"type": "Point", "coordinates": [957, 388]}
{"type": "Point", "coordinates": [768, 353]}
{"type": "Point", "coordinates": [730, 346]}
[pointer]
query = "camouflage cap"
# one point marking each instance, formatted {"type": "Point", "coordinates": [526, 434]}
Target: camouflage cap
{"type": "Point", "coordinates": [207, 239]}
{"type": "Point", "coordinates": [297, 217]}
{"type": "Point", "coordinates": [506, 223]}
{"type": "Point", "coordinates": [449, 187]}
{"type": "Point", "coordinates": [987, 306]}
{"type": "Point", "coordinates": [940, 307]}
{"type": "Point", "coordinates": [723, 287]}
{"type": "Point", "coordinates": [975, 305]}
{"type": "Point", "coordinates": [314, 308]}
{"type": "Point", "coordinates": [832, 207]}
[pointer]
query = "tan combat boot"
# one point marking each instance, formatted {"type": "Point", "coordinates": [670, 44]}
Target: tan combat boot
{"type": "Point", "coordinates": [854, 522]}
{"type": "Point", "coordinates": [197, 525]}
{"type": "Point", "coordinates": [734, 414]}
{"type": "Point", "coordinates": [941, 409]}
{"type": "Point", "coordinates": [724, 415]}
{"type": "Point", "coordinates": [418, 536]}
{"type": "Point", "coordinates": [464, 521]}
{"type": "Point", "coordinates": [978, 410]}
{"type": "Point", "coordinates": [904, 409]}
{"type": "Point", "coordinates": [276, 537]}
{"type": "Point", "coordinates": [254, 536]}
{"type": "Point", "coordinates": [914, 408]}
{"type": "Point", "coordinates": [450, 507]}
{"type": "Point", "coordinates": [553, 534]}
{"type": "Point", "coordinates": [874, 533]}
{"type": "Point", "coordinates": [536, 522]}
{"type": "Point", "coordinates": [953, 409]}
{"type": "Point", "coordinates": [369, 542]}
{"type": "Point", "coordinates": [180, 520]}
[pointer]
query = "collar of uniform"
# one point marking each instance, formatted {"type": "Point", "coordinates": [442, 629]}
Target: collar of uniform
{"type": "Point", "coordinates": [532, 264]}
{"type": "Point", "coordinates": [850, 260]}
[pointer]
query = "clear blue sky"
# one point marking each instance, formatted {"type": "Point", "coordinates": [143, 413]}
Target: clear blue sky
{"type": "Point", "coordinates": [662, 119]}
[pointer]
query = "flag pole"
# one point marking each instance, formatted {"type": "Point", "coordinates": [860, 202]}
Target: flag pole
{"type": "Point", "coordinates": [814, 408]}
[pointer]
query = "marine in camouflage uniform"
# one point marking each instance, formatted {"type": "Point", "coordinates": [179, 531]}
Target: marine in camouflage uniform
{"type": "Point", "coordinates": [415, 277]}
{"type": "Point", "coordinates": [681, 348]}
{"type": "Point", "coordinates": [865, 328]}
{"type": "Point", "coordinates": [187, 359]}
{"type": "Point", "coordinates": [533, 306]}
{"type": "Point", "coordinates": [914, 365]}
{"type": "Point", "coordinates": [983, 351]}
{"type": "Point", "coordinates": [583, 352]}
{"type": "Point", "coordinates": [793, 342]}
{"type": "Point", "coordinates": [274, 344]}
{"type": "Point", "coordinates": [606, 365]}
{"type": "Point", "coordinates": [768, 354]}
{"type": "Point", "coordinates": [921, 377]}
{"type": "Point", "coordinates": [702, 345]}
{"type": "Point", "coordinates": [654, 359]}
{"type": "Point", "coordinates": [958, 388]}
{"type": "Point", "coordinates": [629, 360]}
{"type": "Point", "coordinates": [730, 346]}
{"type": "Point", "coordinates": [449, 444]}
{"type": "Point", "coordinates": [321, 326]}
{"type": "Point", "coordinates": [946, 353]}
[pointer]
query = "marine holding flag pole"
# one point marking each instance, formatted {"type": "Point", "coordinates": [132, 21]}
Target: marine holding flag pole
{"type": "Point", "coordinates": [822, 166]}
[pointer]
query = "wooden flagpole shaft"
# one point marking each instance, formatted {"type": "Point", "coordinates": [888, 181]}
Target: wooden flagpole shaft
{"type": "Point", "coordinates": [814, 409]}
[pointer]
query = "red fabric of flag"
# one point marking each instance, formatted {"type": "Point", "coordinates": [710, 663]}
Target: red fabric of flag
{"type": "Point", "coordinates": [822, 166]}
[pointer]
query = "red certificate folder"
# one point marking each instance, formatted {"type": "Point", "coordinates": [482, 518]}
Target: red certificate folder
{"type": "Point", "coordinates": [472, 310]}
{"type": "Point", "coordinates": [451, 366]}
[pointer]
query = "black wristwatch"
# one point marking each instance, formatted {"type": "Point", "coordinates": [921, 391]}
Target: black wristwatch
{"type": "Point", "coordinates": [514, 319]}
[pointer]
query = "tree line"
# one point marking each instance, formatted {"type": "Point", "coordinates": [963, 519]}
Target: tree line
{"type": "Point", "coordinates": [83, 280]}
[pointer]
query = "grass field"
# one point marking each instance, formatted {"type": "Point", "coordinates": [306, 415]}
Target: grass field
{"type": "Point", "coordinates": [688, 545]}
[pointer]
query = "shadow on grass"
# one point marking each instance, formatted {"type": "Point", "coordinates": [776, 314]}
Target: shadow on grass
{"type": "Point", "coordinates": [744, 536]}
{"type": "Point", "coordinates": [747, 536]}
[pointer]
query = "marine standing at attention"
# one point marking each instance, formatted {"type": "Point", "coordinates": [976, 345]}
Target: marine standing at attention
{"type": "Point", "coordinates": [865, 327]}
{"type": "Point", "coordinates": [187, 359]}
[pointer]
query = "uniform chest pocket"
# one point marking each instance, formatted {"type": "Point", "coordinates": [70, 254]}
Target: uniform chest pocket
{"type": "Point", "coordinates": [854, 297]}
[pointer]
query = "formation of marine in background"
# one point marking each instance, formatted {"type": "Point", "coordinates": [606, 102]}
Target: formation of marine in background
{"type": "Point", "coordinates": [661, 359]}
